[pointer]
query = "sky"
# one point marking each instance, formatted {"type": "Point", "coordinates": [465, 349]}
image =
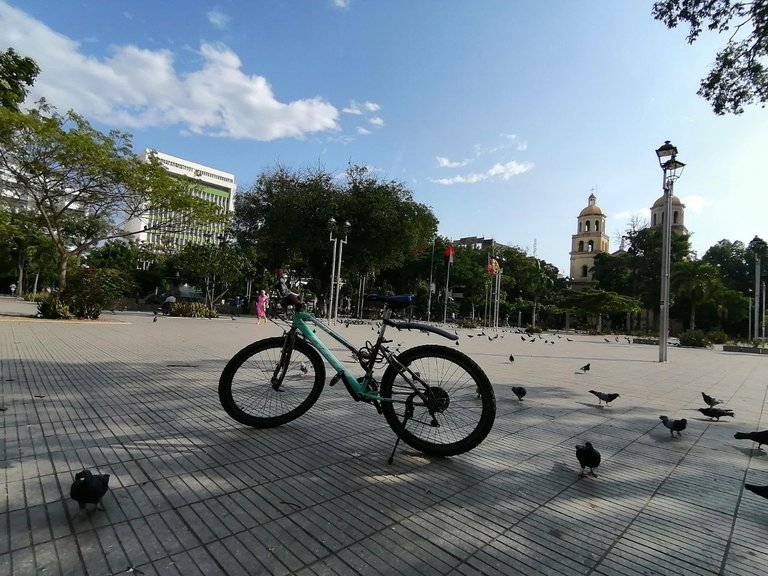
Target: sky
{"type": "Point", "coordinates": [503, 116]}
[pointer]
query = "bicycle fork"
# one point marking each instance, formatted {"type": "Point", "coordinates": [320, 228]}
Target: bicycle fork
{"type": "Point", "coordinates": [285, 360]}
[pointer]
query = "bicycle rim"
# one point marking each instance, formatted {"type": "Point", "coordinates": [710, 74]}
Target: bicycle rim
{"type": "Point", "coordinates": [466, 405]}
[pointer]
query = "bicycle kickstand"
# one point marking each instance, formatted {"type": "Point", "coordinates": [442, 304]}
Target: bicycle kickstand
{"type": "Point", "coordinates": [408, 414]}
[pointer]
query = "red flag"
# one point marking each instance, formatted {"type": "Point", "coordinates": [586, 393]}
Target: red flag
{"type": "Point", "coordinates": [448, 253]}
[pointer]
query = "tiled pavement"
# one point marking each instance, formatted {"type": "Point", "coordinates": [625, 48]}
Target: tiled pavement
{"type": "Point", "coordinates": [193, 492]}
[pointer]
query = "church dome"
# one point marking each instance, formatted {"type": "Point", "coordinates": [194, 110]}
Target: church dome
{"type": "Point", "coordinates": [592, 208]}
{"type": "Point", "coordinates": [675, 201]}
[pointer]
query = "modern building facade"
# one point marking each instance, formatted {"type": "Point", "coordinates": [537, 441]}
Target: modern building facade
{"type": "Point", "coordinates": [590, 239]}
{"type": "Point", "coordinates": [212, 185]}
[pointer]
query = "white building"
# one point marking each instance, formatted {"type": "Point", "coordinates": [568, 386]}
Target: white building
{"type": "Point", "coordinates": [212, 185]}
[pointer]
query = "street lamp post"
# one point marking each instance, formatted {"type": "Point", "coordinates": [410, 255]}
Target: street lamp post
{"type": "Point", "coordinates": [672, 169]}
{"type": "Point", "coordinates": [431, 266]}
{"type": "Point", "coordinates": [331, 227]}
{"type": "Point", "coordinates": [347, 228]}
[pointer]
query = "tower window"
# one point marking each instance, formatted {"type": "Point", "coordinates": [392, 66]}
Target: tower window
{"type": "Point", "coordinates": [653, 219]}
{"type": "Point", "coordinates": [590, 246]}
{"type": "Point", "coordinates": [586, 224]}
{"type": "Point", "coordinates": [584, 271]}
{"type": "Point", "coordinates": [597, 225]}
{"type": "Point", "coordinates": [581, 245]}
{"type": "Point", "coordinates": [674, 217]}
{"type": "Point", "coordinates": [579, 227]}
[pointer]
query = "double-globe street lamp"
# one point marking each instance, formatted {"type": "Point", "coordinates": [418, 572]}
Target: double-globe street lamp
{"type": "Point", "coordinates": [333, 303]}
{"type": "Point", "coordinates": [672, 168]}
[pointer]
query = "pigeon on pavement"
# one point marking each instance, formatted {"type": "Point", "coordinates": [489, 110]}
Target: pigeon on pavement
{"type": "Point", "coordinates": [674, 425]}
{"type": "Point", "coordinates": [716, 412]}
{"type": "Point", "coordinates": [604, 396]}
{"type": "Point", "coordinates": [585, 368]}
{"type": "Point", "coordinates": [588, 457]}
{"type": "Point", "coordinates": [759, 490]}
{"type": "Point", "coordinates": [519, 391]}
{"type": "Point", "coordinates": [709, 401]}
{"type": "Point", "coordinates": [759, 437]}
{"type": "Point", "coordinates": [89, 488]}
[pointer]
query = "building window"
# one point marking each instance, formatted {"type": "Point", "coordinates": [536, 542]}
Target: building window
{"type": "Point", "coordinates": [674, 217]}
{"type": "Point", "coordinates": [584, 271]}
{"type": "Point", "coordinates": [597, 225]}
{"type": "Point", "coordinates": [590, 246]}
{"type": "Point", "coordinates": [581, 245]}
{"type": "Point", "coordinates": [579, 227]}
{"type": "Point", "coordinates": [653, 219]}
{"type": "Point", "coordinates": [587, 225]}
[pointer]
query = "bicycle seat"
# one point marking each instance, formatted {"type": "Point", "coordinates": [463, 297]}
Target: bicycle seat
{"type": "Point", "coordinates": [397, 302]}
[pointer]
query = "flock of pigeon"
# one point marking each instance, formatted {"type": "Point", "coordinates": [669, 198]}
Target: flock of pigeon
{"type": "Point", "coordinates": [589, 457]}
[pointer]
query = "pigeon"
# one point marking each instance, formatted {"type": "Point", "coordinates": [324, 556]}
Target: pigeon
{"type": "Point", "coordinates": [759, 437]}
{"type": "Point", "coordinates": [759, 490]}
{"type": "Point", "coordinates": [89, 488]}
{"type": "Point", "coordinates": [303, 368]}
{"type": "Point", "coordinates": [606, 339]}
{"type": "Point", "coordinates": [585, 368]}
{"type": "Point", "coordinates": [716, 412]}
{"type": "Point", "coordinates": [522, 338]}
{"type": "Point", "coordinates": [511, 358]}
{"type": "Point", "coordinates": [711, 402]}
{"type": "Point", "coordinates": [604, 396]}
{"type": "Point", "coordinates": [588, 457]}
{"type": "Point", "coordinates": [569, 340]}
{"type": "Point", "coordinates": [155, 318]}
{"type": "Point", "coordinates": [674, 425]}
{"type": "Point", "coordinates": [519, 391]}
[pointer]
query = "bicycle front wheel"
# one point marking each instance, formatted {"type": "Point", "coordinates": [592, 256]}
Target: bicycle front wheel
{"type": "Point", "coordinates": [457, 406]}
{"type": "Point", "coordinates": [270, 382]}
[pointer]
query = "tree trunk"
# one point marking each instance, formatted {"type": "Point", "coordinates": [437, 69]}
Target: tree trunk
{"type": "Point", "coordinates": [693, 318]}
{"type": "Point", "coordinates": [62, 270]}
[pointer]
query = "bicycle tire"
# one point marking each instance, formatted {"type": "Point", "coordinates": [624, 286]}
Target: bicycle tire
{"type": "Point", "coordinates": [246, 391]}
{"type": "Point", "coordinates": [466, 396]}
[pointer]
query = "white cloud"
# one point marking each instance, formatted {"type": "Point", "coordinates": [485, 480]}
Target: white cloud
{"type": "Point", "coordinates": [371, 106]}
{"type": "Point", "coordinates": [341, 3]}
{"type": "Point", "coordinates": [443, 162]}
{"type": "Point", "coordinates": [695, 204]}
{"type": "Point", "coordinates": [358, 109]}
{"type": "Point", "coordinates": [363, 131]}
{"type": "Point", "coordinates": [218, 18]}
{"type": "Point", "coordinates": [635, 213]}
{"type": "Point", "coordinates": [376, 121]}
{"type": "Point", "coordinates": [136, 87]}
{"type": "Point", "coordinates": [503, 171]}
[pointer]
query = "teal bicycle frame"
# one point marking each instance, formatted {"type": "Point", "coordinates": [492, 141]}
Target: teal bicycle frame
{"type": "Point", "coordinates": [360, 388]}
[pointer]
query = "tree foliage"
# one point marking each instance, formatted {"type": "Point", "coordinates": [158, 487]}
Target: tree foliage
{"type": "Point", "coordinates": [85, 186]}
{"type": "Point", "coordinates": [16, 74]}
{"type": "Point", "coordinates": [739, 76]}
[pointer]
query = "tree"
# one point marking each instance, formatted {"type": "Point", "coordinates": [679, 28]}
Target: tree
{"type": "Point", "coordinates": [730, 258]}
{"type": "Point", "coordinates": [739, 76]}
{"type": "Point", "coordinates": [16, 73]}
{"type": "Point", "coordinates": [85, 186]}
{"type": "Point", "coordinates": [695, 283]}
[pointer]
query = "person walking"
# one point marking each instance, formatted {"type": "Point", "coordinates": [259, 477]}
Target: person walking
{"type": "Point", "coordinates": [13, 289]}
{"type": "Point", "coordinates": [262, 303]}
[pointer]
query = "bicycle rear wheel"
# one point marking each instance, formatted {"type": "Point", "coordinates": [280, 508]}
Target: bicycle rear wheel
{"type": "Point", "coordinates": [270, 382]}
{"type": "Point", "coordinates": [459, 393]}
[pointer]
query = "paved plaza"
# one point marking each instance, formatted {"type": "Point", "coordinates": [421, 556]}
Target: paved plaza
{"type": "Point", "coordinates": [194, 492]}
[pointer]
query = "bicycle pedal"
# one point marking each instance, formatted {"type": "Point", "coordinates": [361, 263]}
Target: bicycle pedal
{"type": "Point", "coordinates": [336, 379]}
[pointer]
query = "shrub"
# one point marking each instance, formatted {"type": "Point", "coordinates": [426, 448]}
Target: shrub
{"type": "Point", "coordinates": [193, 310]}
{"type": "Point", "coordinates": [717, 337]}
{"type": "Point", "coordinates": [534, 329]}
{"type": "Point", "coordinates": [53, 308]}
{"type": "Point", "coordinates": [468, 323]}
{"type": "Point", "coordinates": [695, 339]}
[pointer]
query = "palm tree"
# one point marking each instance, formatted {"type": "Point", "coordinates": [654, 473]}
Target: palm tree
{"type": "Point", "coordinates": [695, 282]}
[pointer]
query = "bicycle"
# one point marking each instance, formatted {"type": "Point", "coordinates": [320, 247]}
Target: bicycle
{"type": "Point", "coordinates": [434, 398]}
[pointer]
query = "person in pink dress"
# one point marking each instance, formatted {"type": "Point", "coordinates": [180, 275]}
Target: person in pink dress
{"type": "Point", "coordinates": [261, 307]}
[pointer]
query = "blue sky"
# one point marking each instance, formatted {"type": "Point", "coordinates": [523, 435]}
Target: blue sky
{"type": "Point", "coordinates": [501, 115]}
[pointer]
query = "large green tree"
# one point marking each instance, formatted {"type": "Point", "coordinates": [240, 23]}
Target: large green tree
{"type": "Point", "coordinates": [85, 186]}
{"type": "Point", "coordinates": [285, 216]}
{"type": "Point", "coordinates": [16, 74]}
{"type": "Point", "coordinates": [739, 76]}
{"type": "Point", "coordinates": [694, 283]}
